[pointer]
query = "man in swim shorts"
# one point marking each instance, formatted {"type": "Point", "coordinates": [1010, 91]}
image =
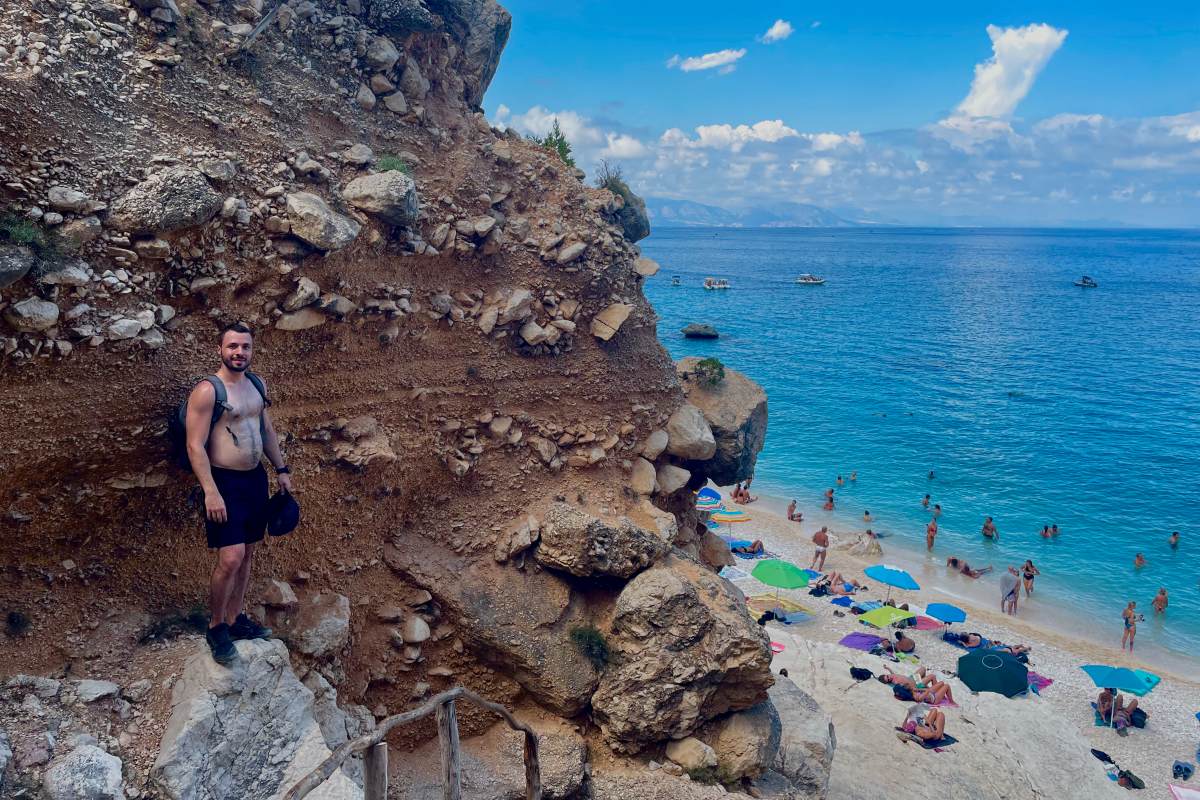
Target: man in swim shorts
{"type": "Point", "coordinates": [227, 460]}
{"type": "Point", "coordinates": [989, 530]}
{"type": "Point", "coordinates": [821, 540]}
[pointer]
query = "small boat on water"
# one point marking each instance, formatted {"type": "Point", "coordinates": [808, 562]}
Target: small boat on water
{"type": "Point", "coordinates": [1086, 283]}
{"type": "Point", "coordinates": [674, 280]}
{"type": "Point", "coordinates": [808, 279]}
{"type": "Point", "coordinates": [716, 283]}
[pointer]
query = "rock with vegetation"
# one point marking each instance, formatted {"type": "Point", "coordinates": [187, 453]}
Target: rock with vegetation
{"type": "Point", "coordinates": [630, 212]}
{"type": "Point", "coordinates": [736, 412]}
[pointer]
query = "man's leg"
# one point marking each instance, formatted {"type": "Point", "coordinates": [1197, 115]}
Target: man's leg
{"type": "Point", "coordinates": [237, 592]}
{"type": "Point", "coordinates": [224, 582]}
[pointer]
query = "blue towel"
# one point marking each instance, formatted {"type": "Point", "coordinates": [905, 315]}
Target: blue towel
{"type": "Point", "coordinates": [812, 573]}
{"type": "Point", "coordinates": [844, 602]}
{"type": "Point", "coordinates": [794, 617]}
{"type": "Point", "coordinates": [868, 605]}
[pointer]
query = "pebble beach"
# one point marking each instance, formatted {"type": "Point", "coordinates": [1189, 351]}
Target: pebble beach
{"type": "Point", "coordinates": [1173, 731]}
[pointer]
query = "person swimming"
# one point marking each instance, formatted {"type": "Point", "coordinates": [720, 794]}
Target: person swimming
{"type": "Point", "coordinates": [1160, 601]}
{"type": "Point", "coordinates": [989, 530]}
{"type": "Point", "coordinates": [1139, 561]}
{"type": "Point", "coordinates": [925, 502]}
{"type": "Point", "coordinates": [1045, 531]}
{"type": "Point", "coordinates": [1054, 530]}
{"type": "Point", "coordinates": [828, 503]}
{"type": "Point", "coordinates": [1173, 540]}
{"type": "Point", "coordinates": [937, 509]}
{"type": "Point", "coordinates": [853, 477]}
{"type": "Point", "coordinates": [867, 516]}
{"type": "Point", "coordinates": [954, 562]}
{"type": "Point", "coordinates": [841, 481]}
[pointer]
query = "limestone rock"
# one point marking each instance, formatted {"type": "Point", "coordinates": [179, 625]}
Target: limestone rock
{"type": "Point", "coordinates": [63, 198]}
{"type": "Point", "coordinates": [221, 170]}
{"type": "Point", "coordinates": [78, 232]}
{"type": "Point", "coordinates": [689, 435]}
{"type": "Point", "coordinates": [691, 753]}
{"type": "Point", "coordinates": [587, 546]}
{"type": "Point", "coordinates": [807, 744]}
{"type": "Point", "coordinates": [66, 275]}
{"type": "Point", "coordinates": [5, 754]}
{"type": "Point", "coordinates": [714, 551]}
{"type": "Point", "coordinates": [672, 478]}
{"type": "Point", "coordinates": [1038, 753]}
{"type": "Point", "coordinates": [415, 630]}
{"type": "Point", "coordinates": [176, 198]}
{"type": "Point", "coordinates": [572, 252]}
{"type": "Point", "coordinates": [257, 703]}
{"type": "Point", "coordinates": [15, 263]}
{"type": "Point", "coordinates": [687, 652]}
{"type": "Point", "coordinates": [391, 195]}
{"type": "Point", "coordinates": [280, 594]}
{"type": "Point", "coordinates": [362, 441]}
{"type": "Point", "coordinates": [699, 330]}
{"type": "Point", "coordinates": [301, 320]}
{"type": "Point", "coordinates": [401, 16]}
{"type": "Point", "coordinates": [382, 55]}
{"type": "Point", "coordinates": [365, 97]}
{"type": "Point", "coordinates": [745, 742]}
{"type": "Point", "coordinates": [412, 82]}
{"type": "Point", "coordinates": [396, 103]}
{"type": "Point", "coordinates": [89, 691]}
{"type": "Point", "coordinates": [316, 223]}
{"type": "Point", "coordinates": [305, 294]}
{"type": "Point", "coordinates": [632, 215]}
{"type": "Point", "coordinates": [359, 155]}
{"type": "Point", "coordinates": [654, 445]}
{"type": "Point", "coordinates": [45, 688]}
{"type": "Point", "coordinates": [642, 478]}
{"type": "Point", "coordinates": [646, 267]}
{"type": "Point", "coordinates": [736, 411]}
{"type": "Point", "coordinates": [31, 315]}
{"type": "Point", "coordinates": [321, 625]}
{"type": "Point", "coordinates": [86, 773]}
{"type": "Point", "coordinates": [606, 324]}
{"type": "Point", "coordinates": [484, 26]}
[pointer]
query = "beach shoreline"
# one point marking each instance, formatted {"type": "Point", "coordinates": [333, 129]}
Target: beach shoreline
{"type": "Point", "coordinates": [1173, 732]}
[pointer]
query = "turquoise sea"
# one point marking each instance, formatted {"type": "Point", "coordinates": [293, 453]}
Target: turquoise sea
{"type": "Point", "coordinates": [970, 353]}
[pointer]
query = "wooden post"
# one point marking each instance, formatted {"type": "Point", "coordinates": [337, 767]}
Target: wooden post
{"type": "Point", "coordinates": [533, 769]}
{"type": "Point", "coordinates": [447, 722]}
{"type": "Point", "coordinates": [375, 772]}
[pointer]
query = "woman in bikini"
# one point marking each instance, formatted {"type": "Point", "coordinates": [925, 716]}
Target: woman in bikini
{"type": "Point", "coordinates": [1131, 619]}
{"type": "Point", "coordinates": [927, 726]}
{"type": "Point", "coordinates": [1028, 573]}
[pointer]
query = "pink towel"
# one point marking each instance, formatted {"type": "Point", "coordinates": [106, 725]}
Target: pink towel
{"type": "Point", "coordinates": [927, 624]}
{"type": "Point", "coordinates": [1040, 681]}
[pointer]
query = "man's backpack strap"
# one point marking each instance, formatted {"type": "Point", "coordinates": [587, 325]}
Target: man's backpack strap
{"type": "Point", "coordinates": [220, 401]}
{"type": "Point", "coordinates": [262, 418]}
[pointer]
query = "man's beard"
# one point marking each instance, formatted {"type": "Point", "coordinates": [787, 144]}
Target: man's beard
{"type": "Point", "coordinates": [232, 367]}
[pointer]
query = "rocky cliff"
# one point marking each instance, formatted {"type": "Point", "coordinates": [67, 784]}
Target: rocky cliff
{"type": "Point", "coordinates": [491, 449]}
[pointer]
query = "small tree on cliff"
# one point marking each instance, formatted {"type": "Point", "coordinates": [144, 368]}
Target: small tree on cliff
{"type": "Point", "coordinates": [556, 141]}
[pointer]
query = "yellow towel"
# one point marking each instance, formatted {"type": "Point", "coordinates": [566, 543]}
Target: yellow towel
{"type": "Point", "coordinates": [762, 603]}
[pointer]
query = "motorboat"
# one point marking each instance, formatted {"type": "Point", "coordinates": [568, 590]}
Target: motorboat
{"type": "Point", "coordinates": [716, 283]}
{"type": "Point", "coordinates": [1086, 283]}
{"type": "Point", "coordinates": [808, 279]}
{"type": "Point", "coordinates": [674, 280]}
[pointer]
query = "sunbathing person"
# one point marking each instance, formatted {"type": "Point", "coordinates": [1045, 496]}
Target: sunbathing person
{"type": "Point", "coordinates": [839, 585]}
{"type": "Point", "coordinates": [965, 568]}
{"type": "Point", "coordinates": [927, 724]}
{"type": "Point", "coordinates": [919, 681]}
{"type": "Point", "coordinates": [934, 693]}
{"type": "Point", "coordinates": [1112, 709]}
{"type": "Point", "coordinates": [904, 644]}
{"type": "Point", "coordinates": [755, 548]}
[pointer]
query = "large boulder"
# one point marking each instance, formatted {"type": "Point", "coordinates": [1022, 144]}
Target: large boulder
{"type": "Point", "coordinates": [319, 626]}
{"type": "Point", "coordinates": [481, 28]}
{"type": "Point", "coordinates": [736, 412]}
{"type": "Point", "coordinates": [31, 315]}
{"type": "Point", "coordinates": [689, 435]}
{"type": "Point", "coordinates": [401, 16]}
{"type": "Point", "coordinates": [745, 742]}
{"type": "Point", "coordinates": [244, 731]}
{"type": "Point", "coordinates": [807, 744]}
{"type": "Point", "coordinates": [176, 198]}
{"type": "Point", "coordinates": [15, 263]}
{"type": "Point", "coordinates": [390, 195]}
{"type": "Point", "coordinates": [518, 620]}
{"type": "Point", "coordinates": [85, 773]}
{"type": "Point", "coordinates": [493, 765]}
{"type": "Point", "coordinates": [581, 544]}
{"type": "Point", "coordinates": [1038, 752]}
{"type": "Point", "coordinates": [686, 651]}
{"type": "Point", "coordinates": [316, 223]}
{"type": "Point", "coordinates": [691, 753]}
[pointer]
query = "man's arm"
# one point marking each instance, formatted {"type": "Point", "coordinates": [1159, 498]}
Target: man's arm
{"type": "Point", "coordinates": [199, 422]}
{"type": "Point", "coordinates": [274, 453]}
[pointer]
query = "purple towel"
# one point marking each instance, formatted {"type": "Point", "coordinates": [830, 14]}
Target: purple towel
{"type": "Point", "coordinates": [1040, 681]}
{"type": "Point", "coordinates": [860, 641]}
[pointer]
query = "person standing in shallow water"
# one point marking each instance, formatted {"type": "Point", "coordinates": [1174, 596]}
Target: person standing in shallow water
{"type": "Point", "coordinates": [227, 460]}
{"type": "Point", "coordinates": [930, 534]}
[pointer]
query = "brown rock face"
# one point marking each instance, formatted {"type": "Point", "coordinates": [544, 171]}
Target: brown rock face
{"type": "Point", "coordinates": [583, 545]}
{"type": "Point", "coordinates": [736, 411]}
{"type": "Point", "coordinates": [688, 652]}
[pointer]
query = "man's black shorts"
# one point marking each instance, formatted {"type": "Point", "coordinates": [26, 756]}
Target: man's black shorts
{"type": "Point", "coordinates": [245, 493]}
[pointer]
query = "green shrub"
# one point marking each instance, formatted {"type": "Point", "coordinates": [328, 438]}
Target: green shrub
{"type": "Point", "coordinates": [387, 162]}
{"type": "Point", "coordinates": [591, 643]}
{"type": "Point", "coordinates": [556, 142]}
{"type": "Point", "coordinates": [610, 177]}
{"type": "Point", "coordinates": [710, 372]}
{"type": "Point", "coordinates": [21, 231]}
{"type": "Point", "coordinates": [710, 776]}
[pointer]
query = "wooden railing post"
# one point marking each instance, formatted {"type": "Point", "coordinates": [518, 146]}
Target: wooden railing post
{"type": "Point", "coordinates": [447, 723]}
{"type": "Point", "coordinates": [375, 772]}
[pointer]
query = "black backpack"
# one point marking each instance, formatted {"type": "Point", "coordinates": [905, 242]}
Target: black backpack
{"type": "Point", "coordinates": [177, 421]}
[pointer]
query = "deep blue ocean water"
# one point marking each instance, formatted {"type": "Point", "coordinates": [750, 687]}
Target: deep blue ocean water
{"type": "Point", "coordinates": [970, 353]}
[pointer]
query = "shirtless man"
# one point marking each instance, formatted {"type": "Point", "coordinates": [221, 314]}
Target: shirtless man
{"type": "Point", "coordinates": [228, 463]}
{"type": "Point", "coordinates": [1139, 561]}
{"type": "Point", "coordinates": [821, 540]}
{"type": "Point", "coordinates": [828, 503]}
{"type": "Point", "coordinates": [989, 530]}
{"type": "Point", "coordinates": [841, 481]}
{"type": "Point", "coordinates": [1160, 601]}
{"type": "Point", "coordinates": [930, 534]}
{"type": "Point", "coordinates": [1173, 540]}
{"type": "Point", "coordinates": [937, 509]}
{"type": "Point", "coordinates": [867, 516]}
{"type": "Point", "coordinates": [792, 513]}
{"type": "Point", "coordinates": [925, 502]}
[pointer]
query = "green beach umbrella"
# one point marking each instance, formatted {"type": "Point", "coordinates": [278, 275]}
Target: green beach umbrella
{"type": "Point", "coordinates": [780, 574]}
{"type": "Point", "coordinates": [883, 617]}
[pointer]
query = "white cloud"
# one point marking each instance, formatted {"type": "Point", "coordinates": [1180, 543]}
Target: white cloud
{"type": "Point", "coordinates": [622, 145]}
{"type": "Point", "coordinates": [1067, 122]}
{"type": "Point", "coordinates": [815, 24]}
{"type": "Point", "coordinates": [831, 141]}
{"type": "Point", "coordinates": [721, 58]}
{"type": "Point", "coordinates": [781, 30]}
{"type": "Point", "coordinates": [1018, 55]}
{"type": "Point", "coordinates": [538, 121]}
{"type": "Point", "coordinates": [729, 137]}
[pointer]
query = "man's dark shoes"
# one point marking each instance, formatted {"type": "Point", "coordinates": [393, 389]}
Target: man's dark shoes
{"type": "Point", "coordinates": [245, 628]}
{"type": "Point", "coordinates": [221, 646]}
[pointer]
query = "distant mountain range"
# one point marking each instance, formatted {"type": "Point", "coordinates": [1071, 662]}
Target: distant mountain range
{"type": "Point", "coordinates": [686, 213]}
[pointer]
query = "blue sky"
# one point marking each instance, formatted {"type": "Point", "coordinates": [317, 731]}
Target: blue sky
{"type": "Point", "coordinates": [1014, 114]}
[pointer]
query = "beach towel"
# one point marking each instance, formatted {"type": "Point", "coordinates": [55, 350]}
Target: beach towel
{"type": "Point", "coordinates": [927, 624]}
{"type": "Point", "coordinates": [777, 648]}
{"type": "Point", "coordinates": [734, 542]}
{"type": "Point", "coordinates": [867, 605]}
{"type": "Point", "coordinates": [1099, 721]}
{"type": "Point", "coordinates": [753, 556]}
{"type": "Point", "coordinates": [1183, 792]}
{"type": "Point", "coordinates": [860, 641]}
{"type": "Point", "coordinates": [1039, 682]}
{"type": "Point", "coordinates": [793, 612]}
{"type": "Point", "coordinates": [792, 617]}
{"type": "Point", "coordinates": [733, 573]}
{"type": "Point", "coordinates": [938, 746]}
{"type": "Point", "coordinates": [811, 573]}
{"type": "Point", "coordinates": [844, 602]}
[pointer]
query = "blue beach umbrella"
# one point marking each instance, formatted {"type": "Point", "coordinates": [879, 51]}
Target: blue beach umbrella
{"type": "Point", "coordinates": [892, 576]}
{"type": "Point", "coordinates": [708, 491]}
{"type": "Point", "coordinates": [1119, 678]}
{"type": "Point", "coordinates": [944, 612]}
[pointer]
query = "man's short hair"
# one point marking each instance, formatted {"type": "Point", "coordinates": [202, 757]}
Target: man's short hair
{"type": "Point", "coordinates": [237, 327]}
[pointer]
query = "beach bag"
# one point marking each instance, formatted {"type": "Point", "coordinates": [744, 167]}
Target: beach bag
{"type": "Point", "coordinates": [860, 674]}
{"type": "Point", "coordinates": [819, 591]}
{"type": "Point", "coordinates": [1138, 718]}
{"type": "Point", "coordinates": [177, 420]}
{"type": "Point", "coordinates": [1134, 781]}
{"type": "Point", "coordinates": [902, 693]}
